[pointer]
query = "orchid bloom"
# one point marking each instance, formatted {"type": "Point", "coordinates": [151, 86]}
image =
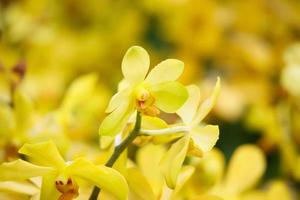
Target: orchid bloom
{"type": "Point", "coordinates": [147, 94]}
{"type": "Point", "coordinates": [59, 178]}
{"type": "Point", "coordinates": [197, 139]}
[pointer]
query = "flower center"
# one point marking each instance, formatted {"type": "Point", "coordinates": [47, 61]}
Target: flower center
{"type": "Point", "coordinates": [69, 189]}
{"type": "Point", "coordinates": [145, 102]}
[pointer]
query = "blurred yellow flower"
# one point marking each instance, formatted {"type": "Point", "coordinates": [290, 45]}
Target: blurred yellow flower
{"type": "Point", "coordinates": [60, 176]}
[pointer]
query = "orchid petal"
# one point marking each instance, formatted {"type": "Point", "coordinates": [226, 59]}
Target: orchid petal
{"type": "Point", "coordinates": [167, 70]}
{"type": "Point", "coordinates": [43, 153]}
{"type": "Point", "coordinates": [135, 65]}
{"type": "Point", "coordinates": [208, 104]}
{"type": "Point", "coordinates": [104, 177]}
{"type": "Point", "coordinates": [21, 170]}
{"type": "Point", "coordinates": [116, 121]}
{"type": "Point", "coordinates": [172, 161]}
{"type": "Point", "coordinates": [246, 167]}
{"type": "Point", "coordinates": [169, 96]}
{"type": "Point", "coordinates": [188, 110]}
{"type": "Point", "coordinates": [203, 139]}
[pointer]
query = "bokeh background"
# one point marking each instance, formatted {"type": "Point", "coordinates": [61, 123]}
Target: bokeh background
{"type": "Point", "coordinates": [250, 44]}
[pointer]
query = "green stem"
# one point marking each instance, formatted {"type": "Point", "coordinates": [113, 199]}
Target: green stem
{"type": "Point", "coordinates": [118, 151]}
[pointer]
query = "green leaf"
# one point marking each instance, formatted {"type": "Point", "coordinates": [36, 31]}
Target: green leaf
{"type": "Point", "coordinates": [135, 65]}
{"type": "Point", "coordinates": [169, 96]}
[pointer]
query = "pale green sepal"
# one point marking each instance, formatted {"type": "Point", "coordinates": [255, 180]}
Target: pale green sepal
{"type": "Point", "coordinates": [203, 139]}
{"type": "Point", "coordinates": [169, 96]}
{"type": "Point", "coordinates": [167, 70]}
{"type": "Point", "coordinates": [114, 123]}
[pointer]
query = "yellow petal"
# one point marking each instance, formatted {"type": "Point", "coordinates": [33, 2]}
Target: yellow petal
{"type": "Point", "coordinates": [135, 65]}
{"type": "Point", "coordinates": [21, 170]}
{"type": "Point", "coordinates": [114, 123]}
{"type": "Point", "coordinates": [296, 170]}
{"type": "Point", "coordinates": [80, 91]}
{"type": "Point", "coordinates": [279, 190]}
{"type": "Point", "coordinates": [117, 100]}
{"type": "Point", "coordinates": [43, 153]}
{"type": "Point", "coordinates": [123, 85]}
{"type": "Point", "coordinates": [183, 177]}
{"type": "Point", "coordinates": [253, 195]}
{"type": "Point", "coordinates": [203, 139]}
{"type": "Point", "coordinates": [140, 188]}
{"type": "Point", "coordinates": [246, 167]}
{"type": "Point", "coordinates": [23, 107]}
{"type": "Point", "coordinates": [48, 189]}
{"type": "Point", "coordinates": [104, 177]}
{"type": "Point", "coordinates": [172, 161]}
{"type": "Point", "coordinates": [163, 139]}
{"type": "Point", "coordinates": [22, 187]}
{"type": "Point", "coordinates": [169, 96]}
{"type": "Point", "coordinates": [210, 169]}
{"type": "Point", "coordinates": [153, 123]}
{"type": "Point", "coordinates": [188, 110]}
{"type": "Point", "coordinates": [167, 70]}
{"type": "Point", "coordinates": [207, 197]}
{"type": "Point", "coordinates": [148, 158]}
{"type": "Point", "coordinates": [7, 119]}
{"type": "Point", "coordinates": [290, 79]}
{"type": "Point", "coordinates": [106, 141]}
{"type": "Point", "coordinates": [208, 104]}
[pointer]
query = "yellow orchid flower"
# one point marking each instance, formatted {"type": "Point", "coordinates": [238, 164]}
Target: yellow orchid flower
{"type": "Point", "coordinates": [245, 168]}
{"type": "Point", "coordinates": [60, 178]}
{"type": "Point", "coordinates": [146, 93]}
{"type": "Point", "coordinates": [198, 139]}
{"type": "Point", "coordinates": [146, 180]}
{"type": "Point", "coordinates": [18, 189]}
{"type": "Point", "coordinates": [278, 190]}
{"type": "Point", "coordinates": [290, 73]}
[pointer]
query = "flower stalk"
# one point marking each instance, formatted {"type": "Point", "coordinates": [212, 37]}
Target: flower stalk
{"type": "Point", "coordinates": [118, 151]}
